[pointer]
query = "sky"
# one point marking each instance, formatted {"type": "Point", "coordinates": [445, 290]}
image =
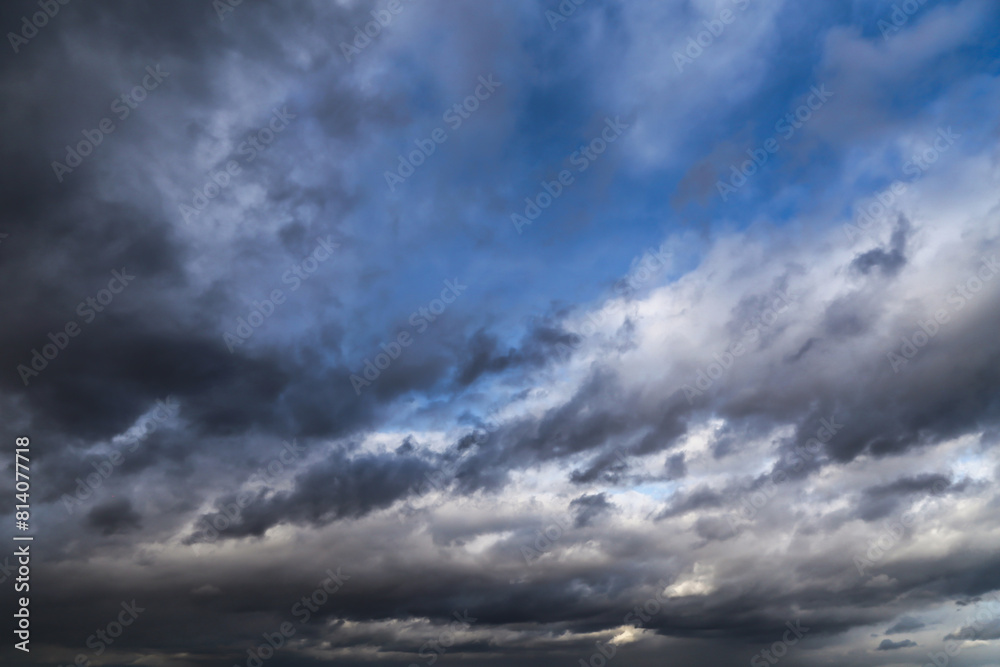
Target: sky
{"type": "Point", "coordinates": [501, 332]}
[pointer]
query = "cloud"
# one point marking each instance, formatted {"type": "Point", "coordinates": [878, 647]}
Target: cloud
{"type": "Point", "coordinates": [114, 516]}
{"type": "Point", "coordinates": [890, 645]}
{"type": "Point", "coordinates": [588, 508]}
{"type": "Point", "coordinates": [905, 624]}
{"type": "Point", "coordinates": [719, 437]}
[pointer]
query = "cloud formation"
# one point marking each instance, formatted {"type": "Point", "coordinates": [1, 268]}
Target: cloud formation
{"type": "Point", "coordinates": [709, 420]}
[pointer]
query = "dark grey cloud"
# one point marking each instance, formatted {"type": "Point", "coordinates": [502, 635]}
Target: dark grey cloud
{"type": "Point", "coordinates": [888, 261]}
{"type": "Point", "coordinates": [335, 488]}
{"type": "Point", "coordinates": [880, 501]}
{"type": "Point", "coordinates": [114, 516]}
{"type": "Point", "coordinates": [982, 631]}
{"type": "Point", "coordinates": [697, 499]}
{"type": "Point", "coordinates": [414, 486]}
{"type": "Point", "coordinates": [589, 508]}
{"type": "Point", "coordinates": [905, 624]}
{"type": "Point", "coordinates": [484, 356]}
{"type": "Point", "coordinates": [675, 466]}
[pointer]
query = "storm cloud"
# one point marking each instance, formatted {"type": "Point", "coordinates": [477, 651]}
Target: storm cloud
{"type": "Point", "coordinates": [287, 358]}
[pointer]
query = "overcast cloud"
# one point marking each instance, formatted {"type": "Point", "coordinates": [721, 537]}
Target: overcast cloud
{"type": "Point", "coordinates": [511, 332]}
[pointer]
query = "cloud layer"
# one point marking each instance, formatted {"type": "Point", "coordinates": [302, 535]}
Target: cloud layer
{"type": "Point", "coordinates": [271, 390]}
